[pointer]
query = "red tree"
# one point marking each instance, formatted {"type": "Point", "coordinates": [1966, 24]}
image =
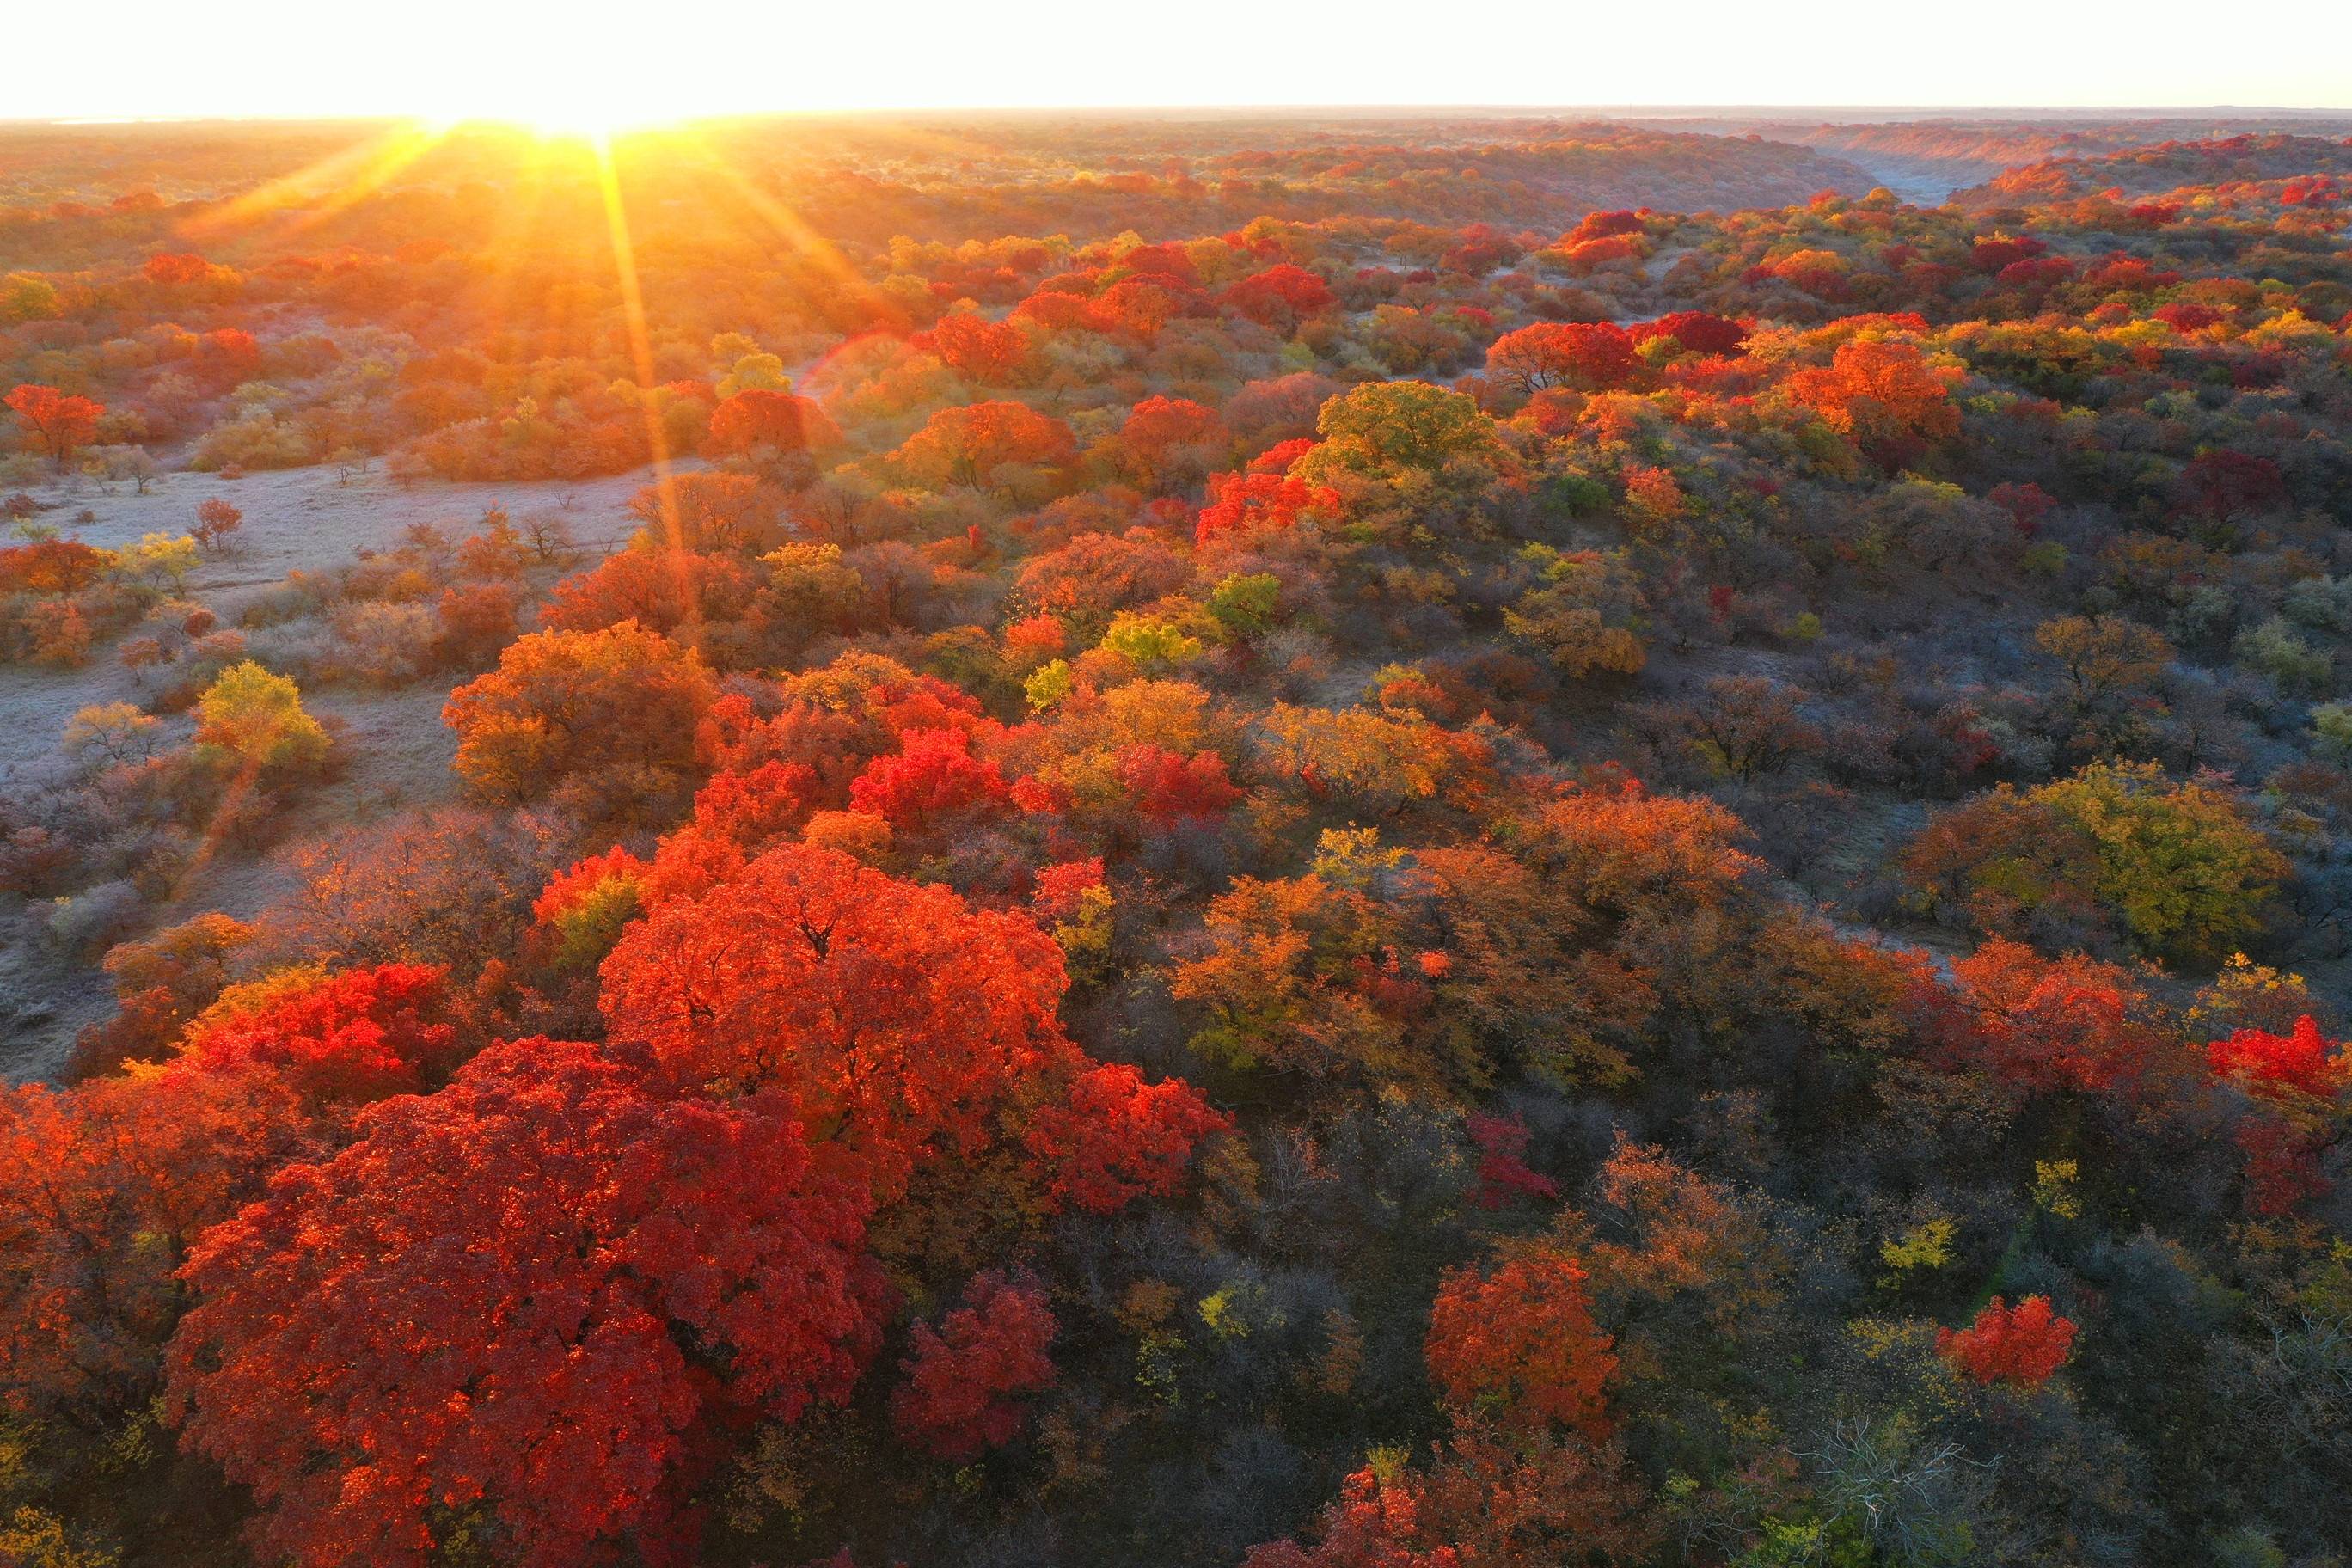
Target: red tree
{"type": "Point", "coordinates": [1166, 787]}
{"type": "Point", "coordinates": [2027, 505]}
{"type": "Point", "coordinates": [894, 1012]}
{"type": "Point", "coordinates": [908, 1024]}
{"type": "Point", "coordinates": [1280, 297]}
{"type": "Point", "coordinates": [781, 422]}
{"type": "Point", "coordinates": [2040, 1023]}
{"type": "Point", "coordinates": [170, 268]}
{"type": "Point", "coordinates": [1996, 254]}
{"type": "Point", "coordinates": [964, 1380]}
{"type": "Point", "coordinates": [1165, 261]}
{"type": "Point", "coordinates": [1241, 502]}
{"type": "Point", "coordinates": [1492, 1499]}
{"type": "Point", "coordinates": [1278, 459]}
{"type": "Point", "coordinates": [2303, 1061]}
{"type": "Point", "coordinates": [1158, 423]}
{"type": "Point", "coordinates": [484, 1307]}
{"type": "Point", "coordinates": [2021, 1345]}
{"type": "Point", "coordinates": [102, 1188]}
{"type": "Point", "coordinates": [58, 421]}
{"type": "Point", "coordinates": [49, 566]}
{"type": "Point", "coordinates": [1062, 887]}
{"type": "Point", "coordinates": [1588, 356]}
{"type": "Point", "coordinates": [1606, 225]}
{"type": "Point", "coordinates": [2222, 483]}
{"type": "Point", "coordinates": [338, 1040]}
{"type": "Point", "coordinates": [1115, 1138]}
{"type": "Point", "coordinates": [2296, 1078]}
{"type": "Point", "coordinates": [1697, 332]}
{"type": "Point", "coordinates": [577, 882]}
{"type": "Point", "coordinates": [578, 914]}
{"type": "Point", "coordinates": [1064, 312]}
{"type": "Point", "coordinates": [1504, 1176]}
{"type": "Point", "coordinates": [1140, 306]}
{"type": "Point", "coordinates": [2184, 317]}
{"type": "Point", "coordinates": [994, 354]}
{"type": "Point", "coordinates": [752, 810]}
{"type": "Point", "coordinates": [676, 593]}
{"type": "Point", "coordinates": [933, 776]}
{"type": "Point", "coordinates": [1520, 1342]}
{"type": "Point", "coordinates": [1887, 395]}
{"type": "Point", "coordinates": [215, 520]}
{"type": "Point", "coordinates": [2281, 1165]}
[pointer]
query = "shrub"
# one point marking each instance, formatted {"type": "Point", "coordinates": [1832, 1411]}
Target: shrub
{"type": "Point", "coordinates": [255, 719]}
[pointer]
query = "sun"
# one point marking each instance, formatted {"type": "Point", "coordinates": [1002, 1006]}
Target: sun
{"type": "Point", "coordinates": [572, 125]}
{"type": "Point", "coordinates": [592, 122]}
{"type": "Point", "coordinates": [574, 115]}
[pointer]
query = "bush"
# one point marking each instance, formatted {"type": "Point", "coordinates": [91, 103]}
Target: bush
{"type": "Point", "coordinates": [256, 718]}
{"type": "Point", "coordinates": [86, 923]}
{"type": "Point", "coordinates": [2274, 650]}
{"type": "Point", "coordinates": [386, 644]}
{"type": "Point", "coordinates": [215, 520]}
{"type": "Point", "coordinates": [2189, 875]}
{"type": "Point", "coordinates": [2331, 729]}
{"type": "Point", "coordinates": [254, 440]}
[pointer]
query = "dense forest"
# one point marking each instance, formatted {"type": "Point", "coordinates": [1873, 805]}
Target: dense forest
{"type": "Point", "coordinates": [1245, 842]}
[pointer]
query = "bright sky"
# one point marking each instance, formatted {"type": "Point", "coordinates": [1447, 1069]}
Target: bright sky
{"type": "Point", "coordinates": [592, 62]}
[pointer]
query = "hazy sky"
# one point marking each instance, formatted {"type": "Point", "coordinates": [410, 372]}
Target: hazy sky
{"type": "Point", "coordinates": [589, 61]}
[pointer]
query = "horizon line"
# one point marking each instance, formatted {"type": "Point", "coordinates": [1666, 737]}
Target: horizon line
{"type": "Point", "coordinates": [1622, 110]}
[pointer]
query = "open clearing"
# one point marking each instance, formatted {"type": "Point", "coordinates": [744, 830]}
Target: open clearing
{"type": "Point", "coordinates": [304, 520]}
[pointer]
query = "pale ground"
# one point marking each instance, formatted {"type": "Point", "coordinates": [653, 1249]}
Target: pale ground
{"type": "Point", "coordinates": [399, 752]}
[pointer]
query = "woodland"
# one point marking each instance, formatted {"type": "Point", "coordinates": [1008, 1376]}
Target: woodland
{"type": "Point", "coordinates": [1228, 842]}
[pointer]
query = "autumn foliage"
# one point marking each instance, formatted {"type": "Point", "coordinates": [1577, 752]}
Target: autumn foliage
{"type": "Point", "coordinates": [1280, 297]}
{"type": "Point", "coordinates": [1519, 1343]}
{"type": "Point", "coordinates": [1511, 1501]}
{"type": "Point", "coordinates": [781, 422]}
{"type": "Point", "coordinates": [932, 776]}
{"type": "Point", "coordinates": [895, 1014]}
{"type": "Point", "coordinates": [2301, 1062]}
{"type": "Point", "coordinates": [2040, 1024]}
{"type": "Point", "coordinates": [963, 1382]}
{"type": "Point", "coordinates": [1408, 837]}
{"type": "Point", "coordinates": [58, 421]}
{"type": "Point", "coordinates": [1884, 393]}
{"type": "Point", "coordinates": [342, 1039]}
{"type": "Point", "coordinates": [973, 445]}
{"type": "Point", "coordinates": [1115, 1137]}
{"type": "Point", "coordinates": [102, 1190]}
{"type": "Point", "coordinates": [993, 354]}
{"type": "Point", "coordinates": [481, 1306]}
{"type": "Point", "coordinates": [2020, 1345]}
{"type": "Point", "coordinates": [1588, 357]}
{"type": "Point", "coordinates": [1242, 504]}
{"type": "Point", "coordinates": [566, 703]}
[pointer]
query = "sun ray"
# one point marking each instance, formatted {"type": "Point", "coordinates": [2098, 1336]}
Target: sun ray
{"type": "Point", "coordinates": [329, 186]}
{"type": "Point", "coordinates": [516, 221]}
{"type": "Point", "coordinates": [786, 224]}
{"type": "Point", "coordinates": [633, 311]}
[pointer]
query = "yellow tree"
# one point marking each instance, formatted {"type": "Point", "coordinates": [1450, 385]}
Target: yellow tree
{"type": "Point", "coordinates": [2179, 863]}
{"type": "Point", "coordinates": [256, 718]}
